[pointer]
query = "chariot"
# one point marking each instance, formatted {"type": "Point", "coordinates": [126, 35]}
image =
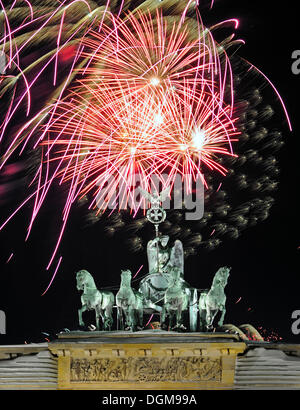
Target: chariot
{"type": "Point", "coordinates": [163, 291]}
{"type": "Point", "coordinates": [154, 287]}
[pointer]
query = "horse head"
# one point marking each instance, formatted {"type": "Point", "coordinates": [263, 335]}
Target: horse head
{"type": "Point", "coordinates": [221, 277]}
{"type": "Point", "coordinates": [82, 278]}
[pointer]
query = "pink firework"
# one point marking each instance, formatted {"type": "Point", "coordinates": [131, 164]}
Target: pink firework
{"type": "Point", "coordinates": [136, 94]}
{"type": "Point", "coordinates": [95, 139]}
{"type": "Point", "coordinates": [150, 101]}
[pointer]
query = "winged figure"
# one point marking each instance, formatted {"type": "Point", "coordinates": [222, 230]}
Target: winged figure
{"type": "Point", "coordinates": [156, 198]}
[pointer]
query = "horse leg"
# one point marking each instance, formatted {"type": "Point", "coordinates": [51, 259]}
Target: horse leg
{"type": "Point", "coordinates": [163, 318]}
{"type": "Point", "coordinates": [211, 316]}
{"type": "Point", "coordinates": [127, 319]}
{"type": "Point", "coordinates": [202, 313]}
{"type": "Point", "coordinates": [178, 317]}
{"type": "Point", "coordinates": [202, 319]}
{"type": "Point", "coordinates": [120, 318]}
{"type": "Point", "coordinates": [124, 318]}
{"type": "Point", "coordinates": [221, 321]}
{"type": "Point", "coordinates": [98, 312]}
{"type": "Point", "coordinates": [172, 319]}
{"type": "Point", "coordinates": [133, 321]}
{"type": "Point", "coordinates": [105, 320]}
{"type": "Point", "coordinates": [108, 317]}
{"type": "Point", "coordinates": [141, 318]}
{"type": "Point", "coordinates": [108, 312]}
{"type": "Point", "coordinates": [209, 319]}
{"type": "Point", "coordinates": [127, 324]}
{"type": "Point", "coordinates": [80, 311]}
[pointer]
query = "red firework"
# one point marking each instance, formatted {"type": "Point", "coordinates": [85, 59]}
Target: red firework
{"type": "Point", "coordinates": [150, 102]}
{"type": "Point", "coordinates": [153, 95]}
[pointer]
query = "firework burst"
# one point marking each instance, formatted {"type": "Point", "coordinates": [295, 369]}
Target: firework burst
{"type": "Point", "coordinates": [136, 92]}
{"type": "Point", "coordinates": [149, 101]}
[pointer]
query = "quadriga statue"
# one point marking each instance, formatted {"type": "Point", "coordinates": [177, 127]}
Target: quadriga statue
{"type": "Point", "coordinates": [93, 299]}
{"type": "Point", "coordinates": [129, 304]}
{"type": "Point", "coordinates": [214, 300]}
{"type": "Point", "coordinates": [176, 301]}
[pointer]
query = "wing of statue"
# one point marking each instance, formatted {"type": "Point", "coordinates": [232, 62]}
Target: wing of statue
{"type": "Point", "coordinates": [177, 256]}
{"type": "Point", "coordinates": [146, 195]}
{"type": "Point", "coordinates": [164, 194]}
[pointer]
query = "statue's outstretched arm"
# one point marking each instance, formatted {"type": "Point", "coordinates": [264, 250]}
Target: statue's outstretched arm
{"type": "Point", "coordinates": [152, 244]}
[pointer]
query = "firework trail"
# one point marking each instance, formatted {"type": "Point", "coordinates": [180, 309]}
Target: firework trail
{"type": "Point", "coordinates": [107, 89]}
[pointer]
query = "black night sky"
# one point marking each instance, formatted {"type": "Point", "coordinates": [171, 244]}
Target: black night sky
{"type": "Point", "coordinates": [264, 260]}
